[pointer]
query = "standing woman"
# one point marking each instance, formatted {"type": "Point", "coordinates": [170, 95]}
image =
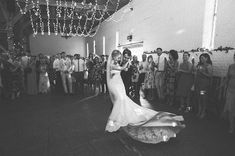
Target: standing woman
{"type": "Point", "coordinates": [52, 73]}
{"type": "Point", "coordinates": [135, 76]}
{"type": "Point", "coordinates": [204, 73]}
{"type": "Point", "coordinates": [149, 78]}
{"type": "Point", "coordinates": [97, 74]}
{"type": "Point", "coordinates": [44, 83]}
{"type": "Point", "coordinates": [89, 65]}
{"type": "Point", "coordinates": [230, 96]}
{"type": "Point", "coordinates": [185, 82]}
{"type": "Point", "coordinates": [171, 69]}
{"type": "Point", "coordinates": [17, 78]}
{"type": "Point", "coordinates": [32, 88]}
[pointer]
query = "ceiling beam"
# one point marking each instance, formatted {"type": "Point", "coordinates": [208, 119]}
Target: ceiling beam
{"type": "Point", "coordinates": [71, 5]}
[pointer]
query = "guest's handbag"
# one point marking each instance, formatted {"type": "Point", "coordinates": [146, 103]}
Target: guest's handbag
{"type": "Point", "coordinates": [86, 75]}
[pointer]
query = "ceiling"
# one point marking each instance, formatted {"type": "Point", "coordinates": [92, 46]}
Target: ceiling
{"type": "Point", "coordinates": [82, 10]}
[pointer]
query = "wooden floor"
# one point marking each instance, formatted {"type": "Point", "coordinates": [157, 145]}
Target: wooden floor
{"type": "Point", "coordinates": [52, 125]}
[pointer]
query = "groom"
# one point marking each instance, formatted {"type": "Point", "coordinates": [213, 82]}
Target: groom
{"type": "Point", "coordinates": [126, 74]}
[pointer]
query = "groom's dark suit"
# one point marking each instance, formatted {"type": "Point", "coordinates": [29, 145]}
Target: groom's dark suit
{"type": "Point", "coordinates": [126, 74]}
{"type": "Point", "coordinates": [126, 78]}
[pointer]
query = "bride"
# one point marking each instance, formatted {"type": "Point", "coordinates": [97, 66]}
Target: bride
{"type": "Point", "coordinates": [140, 123]}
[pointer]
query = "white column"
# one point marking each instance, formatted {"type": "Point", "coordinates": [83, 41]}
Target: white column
{"type": "Point", "coordinates": [209, 24]}
{"type": "Point", "coordinates": [87, 49]}
{"type": "Point", "coordinates": [103, 45]}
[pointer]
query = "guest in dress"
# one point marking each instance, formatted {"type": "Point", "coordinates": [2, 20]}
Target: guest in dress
{"type": "Point", "coordinates": [103, 74]}
{"type": "Point", "coordinates": [44, 83]}
{"type": "Point", "coordinates": [230, 96]}
{"type": "Point", "coordinates": [135, 78]}
{"type": "Point", "coordinates": [52, 74]}
{"type": "Point", "coordinates": [17, 78]}
{"type": "Point", "coordinates": [142, 72]}
{"type": "Point", "coordinates": [32, 88]}
{"type": "Point", "coordinates": [149, 82]}
{"type": "Point", "coordinates": [204, 73]}
{"type": "Point", "coordinates": [171, 69]}
{"type": "Point", "coordinates": [97, 74]}
{"type": "Point", "coordinates": [89, 65]}
{"type": "Point", "coordinates": [185, 82]}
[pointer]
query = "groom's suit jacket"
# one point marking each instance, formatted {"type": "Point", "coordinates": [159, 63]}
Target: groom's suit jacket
{"type": "Point", "coordinates": [126, 78]}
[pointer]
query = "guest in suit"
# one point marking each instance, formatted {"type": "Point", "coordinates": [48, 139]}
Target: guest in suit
{"type": "Point", "coordinates": [127, 73]}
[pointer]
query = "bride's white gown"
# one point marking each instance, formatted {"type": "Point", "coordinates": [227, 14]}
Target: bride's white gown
{"type": "Point", "coordinates": [140, 123]}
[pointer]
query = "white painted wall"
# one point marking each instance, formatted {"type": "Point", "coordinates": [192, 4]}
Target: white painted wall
{"type": "Point", "coordinates": [225, 27]}
{"type": "Point", "coordinates": [52, 44]}
{"type": "Point", "coordinates": [159, 23]}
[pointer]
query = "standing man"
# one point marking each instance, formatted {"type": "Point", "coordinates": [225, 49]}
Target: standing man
{"type": "Point", "coordinates": [81, 71]}
{"type": "Point", "coordinates": [142, 70]}
{"type": "Point", "coordinates": [76, 71]}
{"type": "Point", "coordinates": [160, 74]}
{"type": "Point", "coordinates": [127, 73]}
{"type": "Point", "coordinates": [56, 67]}
{"type": "Point", "coordinates": [65, 66]}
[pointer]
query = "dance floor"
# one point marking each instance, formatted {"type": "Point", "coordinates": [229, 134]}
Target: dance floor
{"type": "Point", "coordinates": [50, 125]}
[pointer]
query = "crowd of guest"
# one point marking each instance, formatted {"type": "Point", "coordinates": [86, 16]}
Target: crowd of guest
{"type": "Point", "coordinates": [172, 82]}
{"type": "Point", "coordinates": [168, 80]}
{"type": "Point", "coordinates": [163, 78]}
{"type": "Point", "coordinates": [26, 74]}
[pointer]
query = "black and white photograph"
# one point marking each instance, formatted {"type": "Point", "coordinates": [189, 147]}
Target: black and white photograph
{"type": "Point", "coordinates": [117, 78]}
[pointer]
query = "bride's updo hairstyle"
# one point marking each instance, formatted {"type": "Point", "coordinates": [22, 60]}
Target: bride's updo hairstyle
{"type": "Point", "coordinates": [115, 53]}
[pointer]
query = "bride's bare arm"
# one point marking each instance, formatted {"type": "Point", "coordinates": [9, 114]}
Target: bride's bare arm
{"type": "Point", "coordinates": [118, 67]}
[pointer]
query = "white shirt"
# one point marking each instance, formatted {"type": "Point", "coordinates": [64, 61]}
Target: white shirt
{"type": "Point", "coordinates": [144, 65]}
{"type": "Point", "coordinates": [65, 64]}
{"type": "Point", "coordinates": [81, 65]}
{"type": "Point", "coordinates": [25, 60]}
{"type": "Point", "coordinates": [75, 63]}
{"type": "Point", "coordinates": [56, 64]}
{"type": "Point", "coordinates": [161, 62]}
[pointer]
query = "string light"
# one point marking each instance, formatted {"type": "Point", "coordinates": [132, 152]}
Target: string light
{"type": "Point", "coordinates": [41, 22]}
{"type": "Point", "coordinates": [91, 17]}
{"type": "Point", "coordinates": [31, 19]}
